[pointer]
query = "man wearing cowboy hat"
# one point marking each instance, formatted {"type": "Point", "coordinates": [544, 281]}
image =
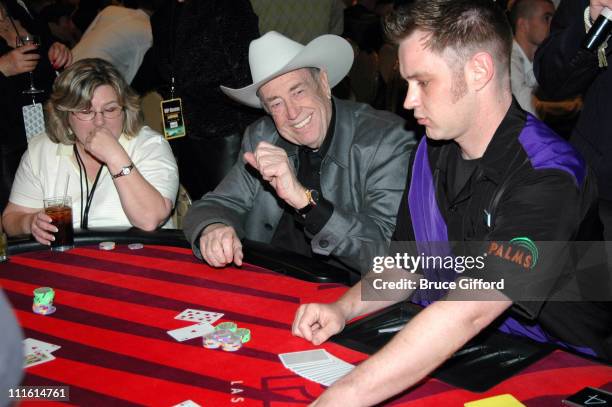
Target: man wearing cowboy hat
{"type": "Point", "coordinates": [320, 176]}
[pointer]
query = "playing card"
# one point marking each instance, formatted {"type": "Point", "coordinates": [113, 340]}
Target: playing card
{"type": "Point", "coordinates": [33, 345]}
{"type": "Point", "coordinates": [316, 365]}
{"type": "Point", "coordinates": [37, 358]}
{"type": "Point", "coordinates": [197, 315]}
{"type": "Point", "coordinates": [333, 373]}
{"type": "Point", "coordinates": [187, 403]}
{"type": "Point", "coordinates": [304, 357]}
{"type": "Point", "coordinates": [33, 120]}
{"type": "Point", "coordinates": [318, 373]}
{"type": "Point", "coordinates": [311, 367]}
{"type": "Point", "coordinates": [192, 331]}
{"type": "Point", "coordinates": [324, 370]}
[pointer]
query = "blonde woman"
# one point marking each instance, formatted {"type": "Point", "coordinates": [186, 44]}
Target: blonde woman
{"type": "Point", "coordinates": [119, 172]}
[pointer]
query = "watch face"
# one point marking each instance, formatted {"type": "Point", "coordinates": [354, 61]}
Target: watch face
{"type": "Point", "coordinates": [124, 171]}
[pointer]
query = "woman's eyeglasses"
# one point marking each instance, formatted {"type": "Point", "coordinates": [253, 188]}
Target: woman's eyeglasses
{"type": "Point", "coordinates": [109, 112]}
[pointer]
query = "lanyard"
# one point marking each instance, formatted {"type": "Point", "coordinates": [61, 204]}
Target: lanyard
{"type": "Point", "coordinates": [172, 48]}
{"type": "Point", "coordinates": [85, 213]}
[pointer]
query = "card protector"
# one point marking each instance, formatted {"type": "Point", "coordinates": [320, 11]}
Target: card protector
{"type": "Point", "coordinates": [33, 120]}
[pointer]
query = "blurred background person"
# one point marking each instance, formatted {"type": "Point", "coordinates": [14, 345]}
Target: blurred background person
{"type": "Point", "coordinates": [35, 6]}
{"type": "Point", "coordinates": [119, 172]}
{"type": "Point", "coordinates": [201, 44]}
{"type": "Point", "coordinates": [363, 25]}
{"type": "Point", "coordinates": [120, 35]}
{"type": "Point", "coordinates": [11, 351]}
{"type": "Point", "coordinates": [530, 20]}
{"type": "Point", "coordinates": [59, 19]}
{"type": "Point", "coordinates": [87, 10]}
{"type": "Point", "coordinates": [302, 21]}
{"type": "Point", "coordinates": [15, 64]}
{"type": "Point", "coordinates": [564, 69]}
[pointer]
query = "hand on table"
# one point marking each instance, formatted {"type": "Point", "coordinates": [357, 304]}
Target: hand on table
{"type": "Point", "coordinates": [317, 322]}
{"type": "Point", "coordinates": [59, 55]}
{"type": "Point", "coordinates": [42, 229]}
{"type": "Point", "coordinates": [18, 61]}
{"type": "Point", "coordinates": [273, 165]}
{"type": "Point", "coordinates": [220, 245]}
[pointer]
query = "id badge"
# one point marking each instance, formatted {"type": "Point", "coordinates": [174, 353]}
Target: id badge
{"type": "Point", "coordinates": [172, 114]}
{"type": "Point", "coordinates": [33, 120]}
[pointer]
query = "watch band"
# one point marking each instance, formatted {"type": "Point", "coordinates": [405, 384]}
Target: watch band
{"type": "Point", "coordinates": [127, 170]}
{"type": "Point", "coordinates": [312, 195]}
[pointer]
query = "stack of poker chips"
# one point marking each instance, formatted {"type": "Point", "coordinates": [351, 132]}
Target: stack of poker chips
{"type": "Point", "coordinates": [227, 336]}
{"type": "Point", "coordinates": [43, 301]}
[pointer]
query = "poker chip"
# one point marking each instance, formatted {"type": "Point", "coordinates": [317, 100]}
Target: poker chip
{"type": "Point", "coordinates": [107, 245]}
{"type": "Point", "coordinates": [228, 326]}
{"type": "Point", "coordinates": [43, 301]}
{"type": "Point", "coordinates": [210, 342]}
{"type": "Point", "coordinates": [244, 334]}
{"type": "Point", "coordinates": [232, 344]}
{"type": "Point", "coordinates": [43, 309]}
{"type": "Point", "coordinates": [222, 334]}
{"type": "Point", "coordinates": [227, 336]}
{"type": "Point", "coordinates": [44, 295]}
{"type": "Point", "coordinates": [135, 246]}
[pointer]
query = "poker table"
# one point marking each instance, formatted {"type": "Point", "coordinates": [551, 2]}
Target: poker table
{"type": "Point", "coordinates": [114, 308]}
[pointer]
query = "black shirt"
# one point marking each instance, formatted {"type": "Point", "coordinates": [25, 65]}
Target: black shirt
{"type": "Point", "coordinates": [523, 199]}
{"type": "Point", "coordinates": [294, 232]}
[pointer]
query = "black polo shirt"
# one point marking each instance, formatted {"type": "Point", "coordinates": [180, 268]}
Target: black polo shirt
{"type": "Point", "coordinates": [505, 195]}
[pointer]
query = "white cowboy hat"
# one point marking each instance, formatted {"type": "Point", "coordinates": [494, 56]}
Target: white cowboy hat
{"type": "Point", "coordinates": [274, 54]}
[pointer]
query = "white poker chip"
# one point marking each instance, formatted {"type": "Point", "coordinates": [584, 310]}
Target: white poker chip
{"type": "Point", "coordinates": [135, 246]}
{"type": "Point", "coordinates": [107, 245]}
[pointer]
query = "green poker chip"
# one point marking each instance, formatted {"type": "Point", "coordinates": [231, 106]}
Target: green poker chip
{"type": "Point", "coordinates": [44, 296]}
{"type": "Point", "coordinates": [244, 334]}
{"type": "Point", "coordinates": [230, 326]}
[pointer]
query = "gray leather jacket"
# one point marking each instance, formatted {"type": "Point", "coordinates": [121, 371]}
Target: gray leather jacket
{"type": "Point", "coordinates": [363, 175]}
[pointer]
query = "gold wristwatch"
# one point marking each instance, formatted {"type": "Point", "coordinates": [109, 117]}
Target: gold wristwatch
{"type": "Point", "coordinates": [313, 196]}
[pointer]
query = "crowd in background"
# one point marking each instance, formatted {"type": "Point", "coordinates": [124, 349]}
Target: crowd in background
{"type": "Point", "coordinates": [186, 49]}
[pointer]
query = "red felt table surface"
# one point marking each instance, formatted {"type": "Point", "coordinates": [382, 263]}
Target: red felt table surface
{"type": "Point", "coordinates": [114, 308]}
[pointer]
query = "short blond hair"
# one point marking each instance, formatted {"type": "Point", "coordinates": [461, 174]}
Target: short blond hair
{"type": "Point", "coordinates": [73, 91]}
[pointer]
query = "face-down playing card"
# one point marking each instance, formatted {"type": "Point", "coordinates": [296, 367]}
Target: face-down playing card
{"type": "Point", "coordinates": [316, 365]}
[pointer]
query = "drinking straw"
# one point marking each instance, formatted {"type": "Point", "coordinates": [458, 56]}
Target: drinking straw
{"type": "Point", "coordinates": [66, 187]}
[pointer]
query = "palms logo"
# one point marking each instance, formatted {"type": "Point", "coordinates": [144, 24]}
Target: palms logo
{"type": "Point", "coordinates": [520, 250]}
{"type": "Point", "coordinates": [528, 244]}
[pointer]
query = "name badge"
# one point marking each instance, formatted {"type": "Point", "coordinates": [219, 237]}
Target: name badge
{"type": "Point", "coordinates": [172, 114]}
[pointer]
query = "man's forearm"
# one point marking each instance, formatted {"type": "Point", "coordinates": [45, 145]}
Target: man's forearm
{"type": "Point", "coordinates": [427, 341]}
{"type": "Point", "coordinates": [363, 298]}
